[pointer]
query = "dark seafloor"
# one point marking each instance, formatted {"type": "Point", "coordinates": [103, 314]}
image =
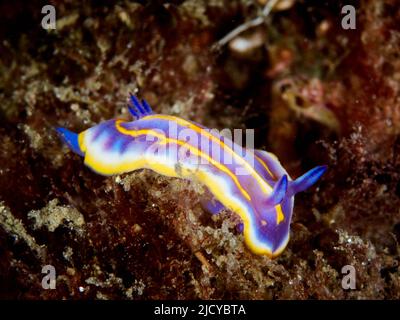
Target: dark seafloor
{"type": "Point", "coordinates": [314, 93]}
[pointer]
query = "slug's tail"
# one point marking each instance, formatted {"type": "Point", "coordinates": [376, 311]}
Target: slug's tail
{"type": "Point", "coordinates": [71, 139]}
{"type": "Point", "coordinates": [306, 180]}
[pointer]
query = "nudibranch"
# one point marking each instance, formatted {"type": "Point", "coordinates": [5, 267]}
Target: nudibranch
{"type": "Point", "coordinates": [251, 183]}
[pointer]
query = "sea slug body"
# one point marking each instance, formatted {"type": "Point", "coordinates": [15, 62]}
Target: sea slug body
{"type": "Point", "coordinates": [251, 183]}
